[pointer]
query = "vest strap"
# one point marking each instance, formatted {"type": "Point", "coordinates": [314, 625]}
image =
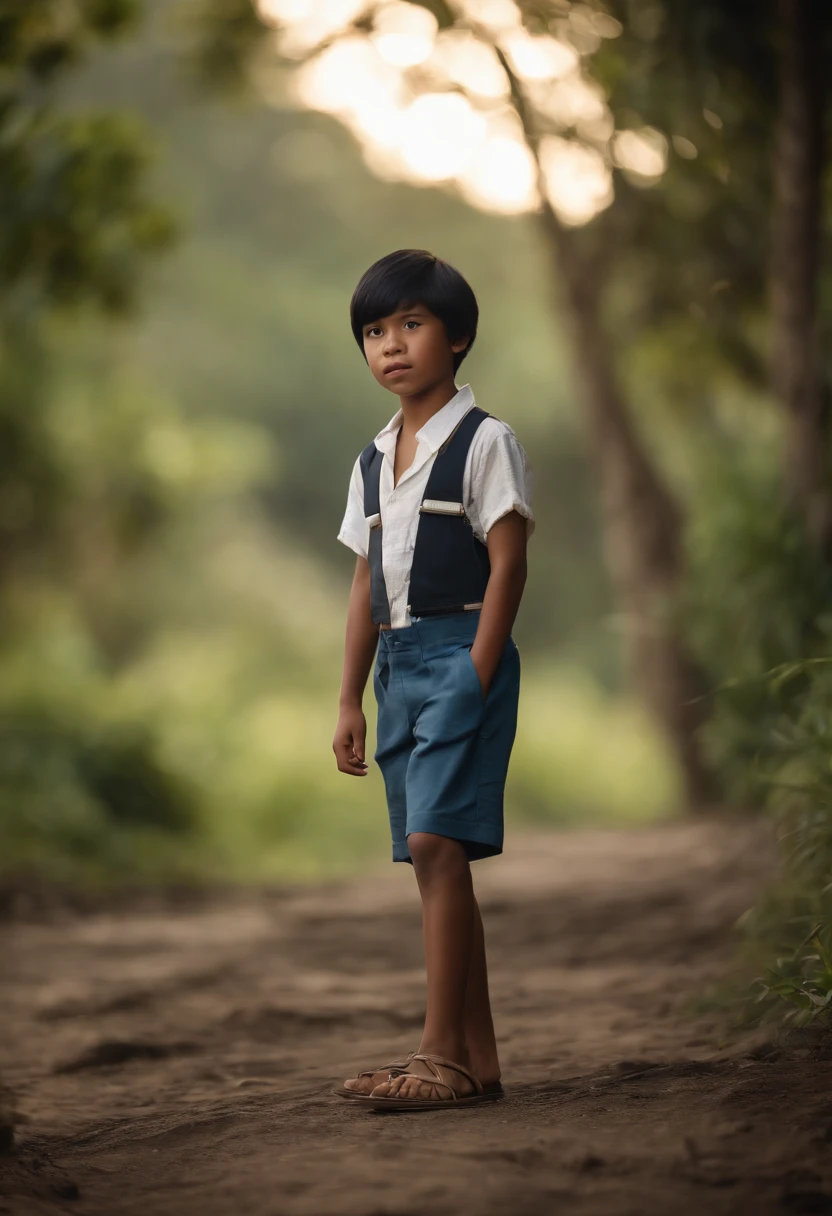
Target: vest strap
{"type": "Point", "coordinates": [450, 567]}
{"type": "Point", "coordinates": [370, 463]}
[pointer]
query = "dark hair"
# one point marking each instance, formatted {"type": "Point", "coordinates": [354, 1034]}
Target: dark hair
{"type": "Point", "coordinates": [414, 276]}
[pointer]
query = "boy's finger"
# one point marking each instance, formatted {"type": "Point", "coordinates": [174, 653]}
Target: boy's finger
{"type": "Point", "coordinates": [355, 768]}
{"type": "Point", "coordinates": [348, 761]}
{"type": "Point", "coordinates": [353, 745]}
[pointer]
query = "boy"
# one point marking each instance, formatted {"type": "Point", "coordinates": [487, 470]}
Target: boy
{"type": "Point", "coordinates": [438, 515]}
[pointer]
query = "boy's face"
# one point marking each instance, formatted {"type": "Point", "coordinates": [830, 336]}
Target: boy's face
{"type": "Point", "coordinates": [409, 352]}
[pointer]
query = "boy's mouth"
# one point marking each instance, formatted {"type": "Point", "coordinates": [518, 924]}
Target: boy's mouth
{"type": "Point", "coordinates": [393, 368]}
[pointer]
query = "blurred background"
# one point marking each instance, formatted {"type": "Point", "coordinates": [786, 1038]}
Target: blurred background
{"type": "Point", "coordinates": [191, 189]}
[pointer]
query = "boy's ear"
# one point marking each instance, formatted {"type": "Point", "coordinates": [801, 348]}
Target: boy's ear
{"type": "Point", "coordinates": [460, 344]}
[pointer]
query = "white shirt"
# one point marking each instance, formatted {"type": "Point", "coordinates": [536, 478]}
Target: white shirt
{"type": "Point", "coordinates": [497, 479]}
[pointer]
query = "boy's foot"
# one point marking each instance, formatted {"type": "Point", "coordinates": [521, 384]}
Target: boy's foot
{"type": "Point", "coordinates": [410, 1087]}
{"type": "Point", "coordinates": [366, 1082]}
{"type": "Point", "coordinates": [431, 1081]}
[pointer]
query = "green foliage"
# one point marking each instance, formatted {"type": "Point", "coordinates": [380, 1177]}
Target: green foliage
{"type": "Point", "coordinates": [39, 38]}
{"type": "Point", "coordinates": [75, 221]}
{"type": "Point", "coordinates": [32, 481]}
{"type": "Point", "coordinates": [82, 792]}
{"type": "Point", "coordinates": [84, 797]}
{"type": "Point", "coordinates": [703, 76]}
{"type": "Point", "coordinates": [567, 721]}
{"type": "Point", "coordinates": [758, 597]}
{"type": "Point", "coordinates": [790, 928]}
{"type": "Point", "coordinates": [225, 35]}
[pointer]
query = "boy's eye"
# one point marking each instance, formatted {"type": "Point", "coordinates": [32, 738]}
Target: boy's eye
{"type": "Point", "coordinates": [374, 331]}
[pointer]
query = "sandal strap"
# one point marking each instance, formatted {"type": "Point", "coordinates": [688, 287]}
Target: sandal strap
{"type": "Point", "coordinates": [433, 1064]}
{"type": "Point", "coordinates": [387, 1067]}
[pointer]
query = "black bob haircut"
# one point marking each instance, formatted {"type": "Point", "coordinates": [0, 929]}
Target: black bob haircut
{"type": "Point", "coordinates": [413, 276]}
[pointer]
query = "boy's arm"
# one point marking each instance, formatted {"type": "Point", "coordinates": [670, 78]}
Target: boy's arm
{"type": "Point", "coordinates": [506, 541]}
{"type": "Point", "coordinates": [359, 651]}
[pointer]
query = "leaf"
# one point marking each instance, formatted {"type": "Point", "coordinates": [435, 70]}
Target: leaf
{"type": "Point", "coordinates": [784, 674]}
{"type": "Point", "coordinates": [812, 933]}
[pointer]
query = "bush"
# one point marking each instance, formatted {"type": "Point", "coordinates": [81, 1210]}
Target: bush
{"type": "Point", "coordinates": [758, 597]}
{"type": "Point", "coordinates": [82, 795]}
{"type": "Point", "coordinates": [758, 611]}
{"type": "Point", "coordinates": [791, 926]}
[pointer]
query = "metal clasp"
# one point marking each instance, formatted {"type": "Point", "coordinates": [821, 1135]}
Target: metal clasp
{"type": "Point", "coordinates": [438, 506]}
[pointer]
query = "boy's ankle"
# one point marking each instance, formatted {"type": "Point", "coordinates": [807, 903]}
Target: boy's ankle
{"type": "Point", "coordinates": [485, 1068]}
{"type": "Point", "coordinates": [449, 1049]}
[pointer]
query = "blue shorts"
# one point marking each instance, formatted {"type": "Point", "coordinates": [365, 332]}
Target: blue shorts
{"type": "Point", "coordinates": [443, 748]}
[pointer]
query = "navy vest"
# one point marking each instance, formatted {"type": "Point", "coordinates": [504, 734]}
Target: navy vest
{"type": "Point", "coordinates": [450, 566]}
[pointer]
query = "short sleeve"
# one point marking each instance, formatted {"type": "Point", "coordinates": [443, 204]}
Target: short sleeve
{"type": "Point", "coordinates": [354, 532]}
{"type": "Point", "coordinates": [501, 479]}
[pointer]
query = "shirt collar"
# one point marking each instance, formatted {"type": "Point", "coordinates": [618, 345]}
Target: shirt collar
{"type": "Point", "coordinates": [437, 428]}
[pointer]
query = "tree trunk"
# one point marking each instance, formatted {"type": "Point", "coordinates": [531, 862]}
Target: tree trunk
{"type": "Point", "coordinates": [642, 521]}
{"type": "Point", "coordinates": [643, 527]}
{"type": "Point", "coordinates": [796, 243]}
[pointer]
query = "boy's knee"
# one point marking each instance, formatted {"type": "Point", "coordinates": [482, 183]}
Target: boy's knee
{"type": "Point", "coordinates": [432, 854]}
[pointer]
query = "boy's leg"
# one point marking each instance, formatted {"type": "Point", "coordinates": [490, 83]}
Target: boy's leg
{"type": "Point", "coordinates": [479, 1027]}
{"type": "Point", "coordinates": [448, 918]}
{"type": "Point", "coordinates": [444, 878]}
{"type": "Point", "coordinates": [480, 1050]}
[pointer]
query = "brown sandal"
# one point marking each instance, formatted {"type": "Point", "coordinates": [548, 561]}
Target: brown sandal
{"type": "Point", "coordinates": [344, 1092]}
{"type": "Point", "coordinates": [436, 1070]}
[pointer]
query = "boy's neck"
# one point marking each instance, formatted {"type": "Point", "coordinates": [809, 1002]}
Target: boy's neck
{"type": "Point", "coordinates": [420, 407]}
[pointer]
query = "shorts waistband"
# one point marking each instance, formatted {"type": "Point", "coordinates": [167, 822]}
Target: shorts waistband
{"type": "Point", "coordinates": [426, 629]}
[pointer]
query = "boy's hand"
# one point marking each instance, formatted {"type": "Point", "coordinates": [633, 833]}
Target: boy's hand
{"type": "Point", "coordinates": [348, 744]}
{"type": "Point", "coordinates": [506, 541]}
{"type": "Point", "coordinates": [485, 685]}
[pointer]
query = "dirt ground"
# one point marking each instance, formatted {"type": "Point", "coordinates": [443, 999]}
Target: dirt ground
{"type": "Point", "coordinates": [176, 1060]}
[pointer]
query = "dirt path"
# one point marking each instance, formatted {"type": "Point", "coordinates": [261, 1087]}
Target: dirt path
{"type": "Point", "coordinates": [174, 1062]}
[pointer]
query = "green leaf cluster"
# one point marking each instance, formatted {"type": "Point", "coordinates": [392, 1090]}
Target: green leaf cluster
{"type": "Point", "coordinates": [76, 219]}
{"type": "Point", "coordinates": [792, 923]}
